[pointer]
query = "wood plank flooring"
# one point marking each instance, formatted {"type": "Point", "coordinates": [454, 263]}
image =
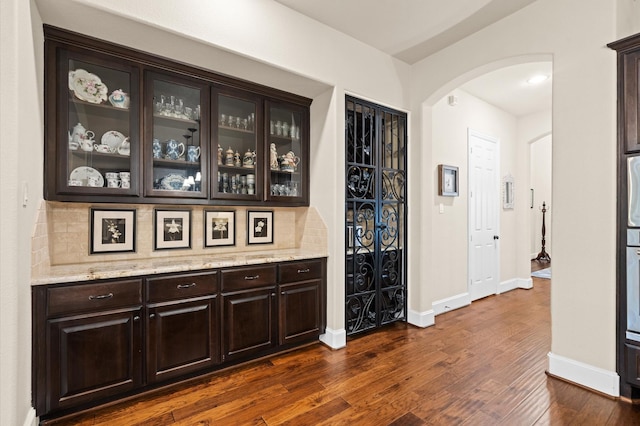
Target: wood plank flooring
{"type": "Point", "coordinates": [480, 365]}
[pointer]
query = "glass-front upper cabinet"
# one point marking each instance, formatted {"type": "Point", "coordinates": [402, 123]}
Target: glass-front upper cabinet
{"type": "Point", "coordinates": [97, 134]}
{"type": "Point", "coordinates": [288, 157]}
{"type": "Point", "coordinates": [176, 139]}
{"type": "Point", "coordinates": [238, 171]}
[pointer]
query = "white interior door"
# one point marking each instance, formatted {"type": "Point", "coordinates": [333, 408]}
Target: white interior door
{"type": "Point", "coordinates": [484, 186]}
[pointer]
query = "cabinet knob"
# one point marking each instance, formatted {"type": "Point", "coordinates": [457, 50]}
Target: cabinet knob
{"type": "Point", "coordinates": [254, 277]}
{"type": "Point", "coordinates": [183, 286]}
{"type": "Point", "coordinates": [136, 318]}
{"type": "Point", "coordinates": [101, 296]}
{"type": "Point", "coordinates": [151, 316]}
{"type": "Point", "coordinates": [303, 271]}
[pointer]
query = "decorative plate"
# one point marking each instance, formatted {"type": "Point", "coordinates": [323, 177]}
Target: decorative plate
{"type": "Point", "coordinates": [83, 173]}
{"type": "Point", "coordinates": [113, 138]}
{"type": "Point", "coordinates": [172, 182]}
{"type": "Point", "coordinates": [87, 87]}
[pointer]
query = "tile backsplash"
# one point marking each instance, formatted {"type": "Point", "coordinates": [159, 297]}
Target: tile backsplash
{"type": "Point", "coordinates": [61, 234]}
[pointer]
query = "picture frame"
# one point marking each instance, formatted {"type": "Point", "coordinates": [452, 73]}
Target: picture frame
{"type": "Point", "coordinates": [260, 227]}
{"type": "Point", "coordinates": [219, 228]}
{"type": "Point", "coordinates": [507, 192]}
{"type": "Point", "coordinates": [172, 229]}
{"type": "Point", "coordinates": [448, 181]}
{"type": "Point", "coordinates": [112, 230]}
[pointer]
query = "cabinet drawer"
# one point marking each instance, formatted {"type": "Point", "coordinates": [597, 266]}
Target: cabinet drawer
{"type": "Point", "coordinates": [181, 286]}
{"type": "Point", "coordinates": [300, 271]}
{"type": "Point", "coordinates": [94, 297]}
{"type": "Point", "coordinates": [251, 277]}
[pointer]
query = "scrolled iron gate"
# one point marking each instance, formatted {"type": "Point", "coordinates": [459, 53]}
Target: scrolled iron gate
{"type": "Point", "coordinates": [376, 139]}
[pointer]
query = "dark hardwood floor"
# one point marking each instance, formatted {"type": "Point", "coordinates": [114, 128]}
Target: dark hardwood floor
{"type": "Point", "coordinates": [480, 365]}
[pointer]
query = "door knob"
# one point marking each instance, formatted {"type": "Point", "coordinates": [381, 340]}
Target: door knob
{"type": "Point", "coordinates": [495, 237]}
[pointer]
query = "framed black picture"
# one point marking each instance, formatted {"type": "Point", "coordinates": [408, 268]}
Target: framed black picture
{"type": "Point", "coordinates": [260, 227]}
{"type": "Point", "coordinates": [112, 231]}
{"type": "Point", "coordinates": [172, 229]}
{"type": "Point", "coordinates": [447, 181]}
{"type": "Point", "coordinates": [219, 228]}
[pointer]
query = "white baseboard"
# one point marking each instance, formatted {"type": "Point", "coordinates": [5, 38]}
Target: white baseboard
{"type": "Point", "coordinates": [335, 339]}
{"type": "Point", "coordinates": [30, 419]}
{"type": "Point", "coordinates": [421, 319]}
{"type": "Point", "coordinates": [605, 381]}
{"type": "Point", "coordinates": [512, 284]}
{"type": "Point", "coordinates": [451, 303]}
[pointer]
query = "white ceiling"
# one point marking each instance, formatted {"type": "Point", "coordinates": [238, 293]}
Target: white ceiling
{"type": "Point", "coordinates": [411, 30]}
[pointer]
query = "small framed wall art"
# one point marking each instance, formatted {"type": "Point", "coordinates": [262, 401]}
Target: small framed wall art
{"type": "Point", "coordinates": [219, 228]}
{"type": "Point", "coordinates": [172, 229]}
{"type": "Point", "coordinates": [260, 227]}
{"type": "Point", "coordinates": [448, 181]}
{"type": "Point", "coordinates": [113, 231]}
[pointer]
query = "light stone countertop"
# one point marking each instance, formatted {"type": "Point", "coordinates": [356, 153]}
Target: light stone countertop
{"type": "Point", "coordinates": [131, 268]}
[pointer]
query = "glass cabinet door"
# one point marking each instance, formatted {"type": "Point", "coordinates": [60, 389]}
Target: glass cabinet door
{"type": "Point", "coordinates": [97, 136]}
{"type": "Point", "coordinates": [176, 141]}
{"type": "Point", "coordinates": [237, 158]}
{"type": "Point", "coordinates": [288, 157]}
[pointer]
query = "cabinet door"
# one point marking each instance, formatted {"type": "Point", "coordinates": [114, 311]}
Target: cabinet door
{"type": "Point", "coordinates": [630, 108]}
{"type": "Point", "coordinates": [177, 137]}
{"type": "Point", "coordinates": [238, 169]}
{"type": "Point", "coordinates": [300, 311]}
{"type": "Point", "coordinates": [94, 147]}
{"type": "Point", "coordinates": [249, 323]}
{"type": "Point", "coordinates": [93, 356]}
{"type": "Point", "coordinates": [182, 337]}
{"type": "Point", "coordinates": [288, 154]}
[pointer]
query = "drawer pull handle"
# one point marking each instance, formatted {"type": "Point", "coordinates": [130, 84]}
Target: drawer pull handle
{"type": "Point", "coordinates": [102, 296]}
{"type": "Point", "coordinates": [183, 286]}
{"type": "Point", "coordinates": [638, 252]}
{"type": "Point", "coordinates": [255, 277]}
{"type": "Point", "coordinates": [303, 271]}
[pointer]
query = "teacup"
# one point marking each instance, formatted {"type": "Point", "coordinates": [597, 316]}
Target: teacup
{"type": "Point", "coordinates": [126, 184]}
{"type": "Point", "coordinates": [106, 149]}
{"type": "Point", "coordinates": [113, 183]}
{"type": "Point", "coordinates": [74, 145]}
{"type": "Point", "coordinates": [93, 181]}
{"type": "Point", "coordinates": [111, 175]}
{"type": "Point", "coordinates": [125, 175]}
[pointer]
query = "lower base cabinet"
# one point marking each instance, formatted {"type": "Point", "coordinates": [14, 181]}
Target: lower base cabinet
{"type": "Point", "coordinates": [93, 341]}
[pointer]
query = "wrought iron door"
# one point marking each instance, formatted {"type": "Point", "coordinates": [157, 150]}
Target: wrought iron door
{"type": "Point", "coordinates": [376, 140]}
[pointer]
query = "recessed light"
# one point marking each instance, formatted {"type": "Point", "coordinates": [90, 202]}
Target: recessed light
{"type": "Point", "coordinates": [537, 79]}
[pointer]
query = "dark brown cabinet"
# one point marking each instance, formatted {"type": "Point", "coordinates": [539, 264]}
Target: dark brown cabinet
{"type": "Point", "coordinates": [628, 339]}
{"type": "Point", "coordinates": [128, 127]}
{"type": "Point", "coordinates": [249, 311]}
{"type": "Point", "coordinates": [183, 322]}
{"type": "Point", "coordinates": [93, 338]}
{"type": "Point", "coordinates": [301, 301]}
{"type": "Point", "coordinates": [95, 341]}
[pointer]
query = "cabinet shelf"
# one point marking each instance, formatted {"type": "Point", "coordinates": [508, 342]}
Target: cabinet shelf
{"type": "Point", "coordinates": [235, 130]}
{"type": "Point", "coordinates": [169, 119]}
{"type": "Point", "coordinates": [283, 139]}
{"type": "Point", "coordinates": [105, 106]}
{"type": "Point", "coordinates": [175, 164]}
{"type": "Point", "coordinates": [235, 169]}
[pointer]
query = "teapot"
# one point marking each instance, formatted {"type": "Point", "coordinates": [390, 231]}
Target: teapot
{"type": "Point", "coordinates": [82, 137]}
